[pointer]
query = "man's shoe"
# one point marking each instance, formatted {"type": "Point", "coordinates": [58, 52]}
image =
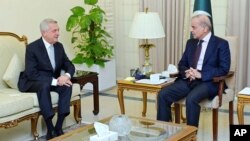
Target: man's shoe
{"type": "Point", "coordinates": [51, 134]}
{"type": "Point", "coordinates": [59, 132]}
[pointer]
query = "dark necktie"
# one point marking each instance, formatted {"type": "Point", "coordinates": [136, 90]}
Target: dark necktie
{"type": "Point", "coordinates": [197, 54]}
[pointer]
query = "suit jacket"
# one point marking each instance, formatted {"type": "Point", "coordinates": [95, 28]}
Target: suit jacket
{"type": "Point", "coordinates": [216, 61]}
{"type": "Point", "coordinates": [38, 66]}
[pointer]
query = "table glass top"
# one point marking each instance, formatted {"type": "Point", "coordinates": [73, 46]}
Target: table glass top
{"type": "Point", "coordinates": [142, 130]}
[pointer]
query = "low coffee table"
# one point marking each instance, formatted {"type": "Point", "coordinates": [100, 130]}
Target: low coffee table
{"type": "Point", "coordinates": [147, 129]}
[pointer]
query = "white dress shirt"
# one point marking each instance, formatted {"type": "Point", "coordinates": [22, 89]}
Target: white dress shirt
{"type": "Point", "coordinates": [47, 45]}
{"type": "Point", "coordinates": [203, 50]}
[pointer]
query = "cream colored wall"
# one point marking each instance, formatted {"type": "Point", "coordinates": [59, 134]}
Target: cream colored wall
{"type": "Point", "coordinates": [126, 49]}
{"type": "Point", "coordinates": [24, 16]}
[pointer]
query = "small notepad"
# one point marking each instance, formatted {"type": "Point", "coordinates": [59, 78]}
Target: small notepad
{"type": "Point", "coordinates": [245, 91]}
{"type": "Point", "coordinates": [147, 81]}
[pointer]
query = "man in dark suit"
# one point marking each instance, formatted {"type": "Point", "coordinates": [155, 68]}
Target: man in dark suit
{"type": "Point", "coordinates": [44, 60]}
{"type": "Point", "coordinates": [195, 81]}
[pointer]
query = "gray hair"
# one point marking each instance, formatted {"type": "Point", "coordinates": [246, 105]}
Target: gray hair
{"type": "Point", "coordinates": [204, 21]}
{"type": "Point", "coordinates": [44, 25]}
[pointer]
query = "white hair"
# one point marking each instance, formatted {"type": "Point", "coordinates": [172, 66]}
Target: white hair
{"type": "Point", "coordinates": [200, 12]}
{"type": "Point", "coordinates": [44, 25]}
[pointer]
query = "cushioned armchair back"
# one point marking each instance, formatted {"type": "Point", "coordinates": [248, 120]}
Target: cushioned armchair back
{"type": "Point", "coordinates": [10, 44]}
{"type": "Point", "coordinates": [233, 44]}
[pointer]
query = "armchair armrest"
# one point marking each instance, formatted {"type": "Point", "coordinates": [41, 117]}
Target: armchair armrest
{"type": "Point", "coordinates": [221, 80]}
{"type": "Point", "coordinates": [215, 79]}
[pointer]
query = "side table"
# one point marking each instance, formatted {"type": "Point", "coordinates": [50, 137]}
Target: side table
{"type": "Point", "coordinates": [243, 98]}
{"type": "Point", "coordinates": [90, 77]}
{"type": "Point", "coordinates": [144, 88]}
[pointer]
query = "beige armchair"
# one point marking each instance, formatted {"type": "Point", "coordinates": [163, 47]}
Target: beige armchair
{"type": "Point", "coordinates": [223, 97]}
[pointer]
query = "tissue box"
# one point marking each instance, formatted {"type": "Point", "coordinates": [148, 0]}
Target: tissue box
{"type": "Point", "coordinates": [112, 136]}
{"type": "Point", "coordinates": [155, 77]}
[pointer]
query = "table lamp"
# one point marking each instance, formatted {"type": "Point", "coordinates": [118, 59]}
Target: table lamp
{"type": "Point", "coordinates": [146, 25]}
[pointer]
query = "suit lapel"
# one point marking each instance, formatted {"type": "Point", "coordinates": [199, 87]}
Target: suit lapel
{"type": "Point", "coordinates": [56, 55]}
{"type": "Point", "coordinates": [210, 49]}
{"type": "Point", "coordinates": [44, 53]}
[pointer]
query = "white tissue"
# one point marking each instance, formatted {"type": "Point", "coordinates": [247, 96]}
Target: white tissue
{"type": "Point", "coordinates": [101, 129]}
{"type": "Point", "coordinates": [155, 77]}
{"type": "Point", "coordinates": [103, 133]}
{"type": "Point", "coordinates": [112, 136]}
{"type": "Point", "coordinates": [172, 69]}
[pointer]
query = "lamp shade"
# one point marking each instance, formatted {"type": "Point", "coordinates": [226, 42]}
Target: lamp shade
{"type": "Point", "coordinates": [146, 25]}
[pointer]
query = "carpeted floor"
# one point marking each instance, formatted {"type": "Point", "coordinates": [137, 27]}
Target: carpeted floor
{"type": "Point", "coordinates": [151, 101]}
{"type": "Point", "coordinates": [108, 95]}
{"type": "Point", "coordinates": [67, 129]}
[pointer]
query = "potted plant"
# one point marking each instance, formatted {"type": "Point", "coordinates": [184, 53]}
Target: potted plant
{"type": "Point", "coordinates": [89, 38]}
{"type": "Point", "coordinates": [91, 41]}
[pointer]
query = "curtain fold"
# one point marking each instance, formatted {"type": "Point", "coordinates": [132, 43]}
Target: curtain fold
{"type": "Point", "coordinates": [238, 25]}
{"type": "Point", "coordinates": [168, 50]}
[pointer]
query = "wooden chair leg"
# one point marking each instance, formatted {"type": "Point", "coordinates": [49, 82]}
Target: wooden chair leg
{"type": "Point", "coordinates": [77, 110]}
{"type": "Point", "coordinates": [178, 108]}
{"type": "Point", "coordinates": [34, 121]}
{"type": "Point", "coordinates": [215, 124]}
{"type": "Point", "coordinates": [177, 112]}
{"type": "Point", "coordinates": [231, 113]}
